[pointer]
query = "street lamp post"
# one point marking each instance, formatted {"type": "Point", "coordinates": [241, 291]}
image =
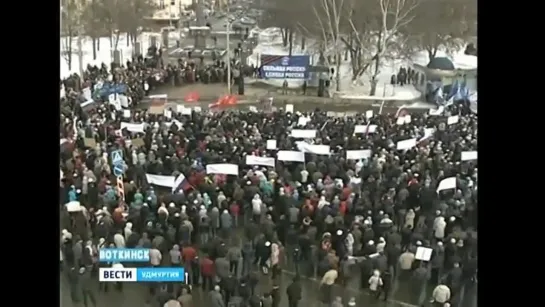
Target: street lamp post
{"type": "Point", "coordinates": [228, 29]}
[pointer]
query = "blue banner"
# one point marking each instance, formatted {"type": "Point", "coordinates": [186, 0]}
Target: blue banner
{"type": "Point", "coordinates": [112, 88]}
{"type": "Point", "coordinates": [284, 67]}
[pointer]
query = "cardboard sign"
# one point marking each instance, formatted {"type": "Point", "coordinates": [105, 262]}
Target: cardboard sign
{"type": "Point", "coordinates": [138, 142]}
{"type": "Point", "coordinates": [156, 109]}
{"type": "Point", "coordinates": [90, 142]}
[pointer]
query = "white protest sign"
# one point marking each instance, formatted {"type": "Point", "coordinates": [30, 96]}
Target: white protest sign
{"type": "Point", "coordinates": [167, 113]}
{"type": "Point", "coordinates": [86, 93]}
{"type": "Point", "coordinates": [358, 154]}
{"type": "Point", "coordinates": [423, 253]}
{"type": "Point", "coordinates": [255, 160]}
{"type": "Point", "coordinates": [302, 121]}
{"type": "Point", "coordinates": [303, 134]}
{"type": "Point", "coordinates": [271, 144]}
{"type": "Point", "coordinates": [289, 108]}
{"type": "Point", "coordinates": [138, 128]}
{"type": "Point", "coordinates": [289, 155]}
{"type": "Point", "coordinates": [446, 184]}
{"type": "Point", "coordinates": [222, 168]}
{"type": "Point", "coordinates": [123, 100]}
{"type": "Point", "coordinates": [127, 113]}
{"type": "Point", "coordinates": [186, 111]}
{"type": "Point", "coordinates": [113, 100]}
{"type": "Point", "coordinates": [197, 109]}
{"type": "Point", "coordinates": [179, 108]}
{"type": "Point", "coordinates": [451, 120]}
{"type": "Point", "coordinates": [369, 114]}
{"type": "Point", "coordinates": [313, 149]}
{"type": "Point", "coordinates": [428, 133]}
{"type": "Point", "coordinates": [406, 144]}
{"type": "Point", "coordinates": [403, 120]}
{"type": "Point", "coordinates": [469, 155]}
{"type": "Point", "coordinates": [252, 109]}
{"type": "Point", "coordinates": [160, 180]}
{"type": "Point", "coordinates": [365, 129]}
{"type": "Point", "coordinates": [437, 112]}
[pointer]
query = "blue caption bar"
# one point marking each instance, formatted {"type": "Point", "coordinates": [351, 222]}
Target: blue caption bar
{"type": "Point", "coordinates": [160, 275]}
{"type": "Point", "coordinates": [123, 255]}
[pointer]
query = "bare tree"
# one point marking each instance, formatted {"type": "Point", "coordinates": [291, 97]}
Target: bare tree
{"type": "Point", "coordinates": [330, 18]}
{"type": "Point", "coordinates": [375, 33]}
{"type": "Point", "coordinates": [69, 25]}
{"type": "Point", "coordinates": [442, 24]}
{"type": "Point", "coordinates": [94, 26]}
{"type": "Point", "coordinates": [286, 15]}
{"type": "Point", "coordinates": [133, 13]}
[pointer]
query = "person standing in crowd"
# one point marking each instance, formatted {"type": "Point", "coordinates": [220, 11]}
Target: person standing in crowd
{"type": "Point", "coordinates": [294, 292]}
{"type": "Point", "coordinates": [378, 209]}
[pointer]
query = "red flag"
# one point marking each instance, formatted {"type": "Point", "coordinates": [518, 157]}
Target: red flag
{"type": "Point", "coordinates": [192, 97]}
{"type": "Point", "coordinates": [225, 101]}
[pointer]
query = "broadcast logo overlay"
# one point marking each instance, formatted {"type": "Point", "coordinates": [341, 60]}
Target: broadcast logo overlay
{"type": "Point", "coordinates": [142, 274]}
{"type": "Point", "coordinates": [127, 255]}
{"type": "Point", "coordinates": [113, 255]}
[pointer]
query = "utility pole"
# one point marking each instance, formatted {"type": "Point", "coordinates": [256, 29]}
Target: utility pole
{"type": "Point", "coordinates": [228, 29]}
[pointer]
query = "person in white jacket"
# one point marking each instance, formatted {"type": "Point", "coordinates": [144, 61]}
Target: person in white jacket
{"type": "Point", "coordinates": [439, 227]}
{"type": "Point", "coordinates": [322, 202]}
{"type": "Point", "coordinates": [128, 231]}
{"type": "Point", "coordinates": [119, 240]}
{"type": "Point", "coordinates": [375, 282]}
{"type": "Point", "coordinates": [441, 294]}
{"type": "Point", "coordinates": [256, 207]}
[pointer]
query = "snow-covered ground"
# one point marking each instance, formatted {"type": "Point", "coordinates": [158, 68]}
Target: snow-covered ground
{"type": "Point", "coordinates": [105, 54]}
{"type": "Point", "coordinates": [270, 42]}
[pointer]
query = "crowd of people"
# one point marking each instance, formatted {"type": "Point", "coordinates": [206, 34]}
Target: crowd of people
{"type": "Point", "coordinates": [350, 221]}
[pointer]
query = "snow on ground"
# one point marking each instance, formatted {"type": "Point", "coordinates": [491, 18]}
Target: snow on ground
{"type": "Point", "coordinates": [105, 54]}
{"type": "Point", "coordinates": [361, 88]}
{"type": "Point", "coordinates": [270, 42]}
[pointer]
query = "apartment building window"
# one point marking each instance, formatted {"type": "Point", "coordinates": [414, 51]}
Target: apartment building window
{"type": "Point", "coordinates": [162, 4]}
{"type": "Point", "coordinates": [172, 2]}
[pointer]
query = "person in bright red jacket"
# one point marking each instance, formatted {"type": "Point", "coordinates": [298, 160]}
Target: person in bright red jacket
{"type": "Point", "coordinates": [234, 209]}
{"type": "Point", "coordinates": [208, 272]}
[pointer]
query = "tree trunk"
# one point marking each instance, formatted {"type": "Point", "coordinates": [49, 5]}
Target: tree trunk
{"type": "Point", "coordinates": [284, 32]}
{"type": "Point", "coordinates": [374, 80]}
{"type": "Point", "coordinates": [346, 54]}
{"type": "Point", "coordinates": [111, 40]}
{"type": "Point", "coordinates": [69, 51]}
{"type": "Point", "coordinates": [117, 35]}
{"type": "Point", "coordinates": [128, 39]}
{"type": "Point", "coordinates": [303, 42]}
{"type": "Point", "coordinates": [94, 47]}
{"type": "Point", "coordinates": [432, 53]}
{"type": "Point", "coordinates": [338, 71]}
{"type": "Point", "coordinates": [290, 36]}
{"type": "Point", "coordinates": [98, 44]}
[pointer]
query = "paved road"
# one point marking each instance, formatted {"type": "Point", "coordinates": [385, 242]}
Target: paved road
{"type": "Point", "coordinates": [137, 295]}
{"type": "Point", "coordinates": [210, 92]}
